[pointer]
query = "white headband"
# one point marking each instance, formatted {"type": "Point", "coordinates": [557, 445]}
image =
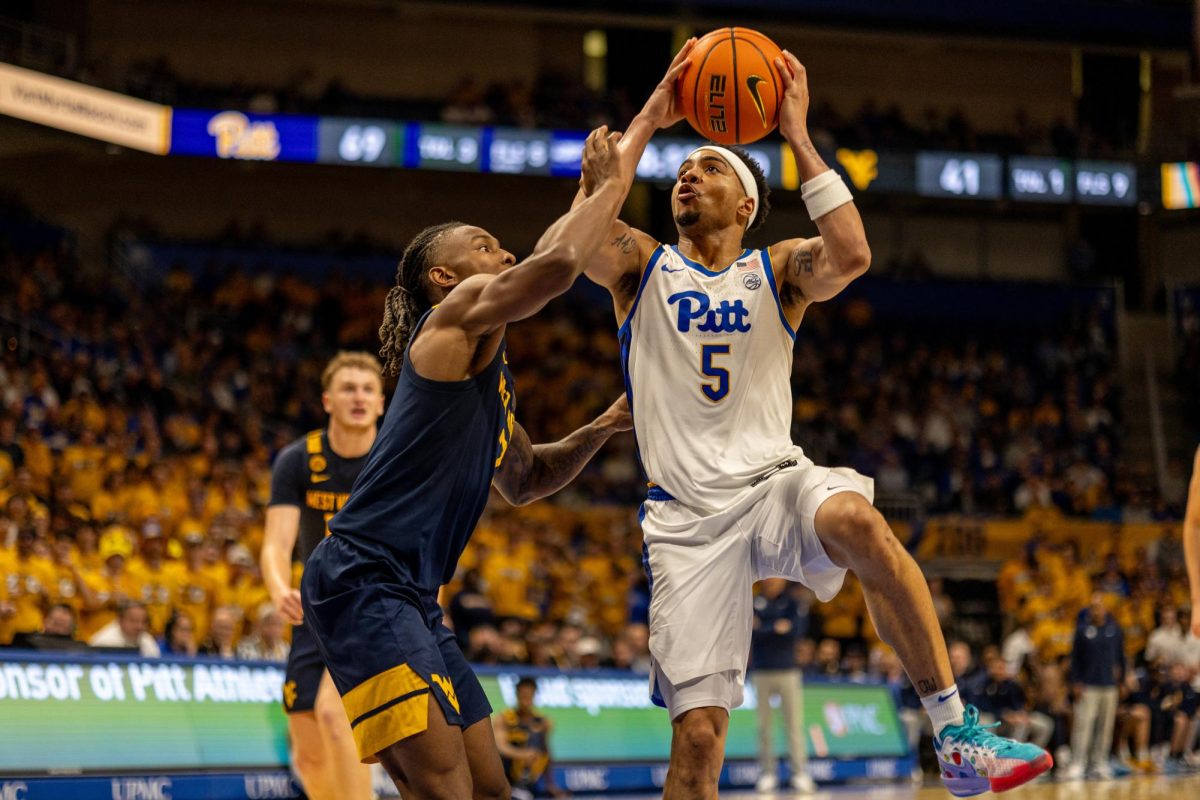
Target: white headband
{"type": "Point", "coordinates": [739, 168]}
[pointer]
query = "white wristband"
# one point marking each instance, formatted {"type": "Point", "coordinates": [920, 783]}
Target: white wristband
{"type": "Point", "coordinates": [824, 193]}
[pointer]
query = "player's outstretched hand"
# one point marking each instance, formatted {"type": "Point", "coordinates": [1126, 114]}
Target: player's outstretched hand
{"type": "Point", "coordinates": [662, 108]}
{"type": "Point", "coordinates": [601, 161]}
{"type": "Point", "coordinates": [617, 417]}
{"type": "Point", "coordinates": [290, 608]}
{"type": "Point", "coordinates": [793, 113]}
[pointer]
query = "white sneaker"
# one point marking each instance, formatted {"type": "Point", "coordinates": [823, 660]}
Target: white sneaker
{"type": "Point", "coordinates": [1104, 772]}
{"type": "Point", "coordinates": [1076, 771]}
{"type": "Point", "coordinates": [767, 783]}
{"type": "Point", "coordinates": [803, 784]}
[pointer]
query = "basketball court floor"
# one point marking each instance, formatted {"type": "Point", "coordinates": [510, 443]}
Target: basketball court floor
{"type": "Point", "coordinates": [1139, 788]}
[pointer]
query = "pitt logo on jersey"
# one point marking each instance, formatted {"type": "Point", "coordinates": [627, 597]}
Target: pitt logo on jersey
{"type": "Point", "coordinates": [726, 318]}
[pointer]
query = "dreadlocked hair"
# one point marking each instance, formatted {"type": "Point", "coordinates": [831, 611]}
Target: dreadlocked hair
{"type": "Point", "coordinates": [409, 298]}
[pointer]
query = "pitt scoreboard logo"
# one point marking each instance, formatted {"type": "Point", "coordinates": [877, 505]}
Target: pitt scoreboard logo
{"type": "Point", "coordinates": [237, 137]}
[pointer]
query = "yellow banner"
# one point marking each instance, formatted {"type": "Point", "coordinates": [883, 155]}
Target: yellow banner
{"type": "Point", "coordinates": [998, 540]}
{"type": "Point", "coordinates": [86, 110]}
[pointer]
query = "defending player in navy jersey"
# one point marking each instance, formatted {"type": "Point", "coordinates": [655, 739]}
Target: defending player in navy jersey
{"type": "Point", "coordinates": [707, 329]}
{"type": "Point", "coordinates": [370, 589]}
{"type": "Point", "coordinates": [310, 480]}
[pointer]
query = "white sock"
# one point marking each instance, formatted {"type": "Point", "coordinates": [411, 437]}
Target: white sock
{"type": "Point", "coordinates": [945, 707]}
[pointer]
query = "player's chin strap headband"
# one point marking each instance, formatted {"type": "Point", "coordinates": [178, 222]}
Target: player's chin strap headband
{"type": "Point", "coordinates": [739, 168]}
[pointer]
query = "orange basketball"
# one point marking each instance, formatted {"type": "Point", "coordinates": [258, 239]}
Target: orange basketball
{"type": "Point", "coordinates": [731, 92]}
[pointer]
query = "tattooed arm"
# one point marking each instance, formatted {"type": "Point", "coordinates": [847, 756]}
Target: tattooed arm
{"type": "Point", "coordinates": [814, 269]}
{"type": "Point", "coordinates": [533, 471]}
{"type": "Point", "coordinates": [618, 264]}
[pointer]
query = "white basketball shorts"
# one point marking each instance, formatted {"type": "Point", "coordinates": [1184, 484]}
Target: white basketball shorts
{"type": "Point", "coordinates": [702, 568]}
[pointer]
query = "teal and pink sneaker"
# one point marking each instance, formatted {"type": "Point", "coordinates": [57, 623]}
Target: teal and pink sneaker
{"type": "Point", "coordinates": [974, 760]}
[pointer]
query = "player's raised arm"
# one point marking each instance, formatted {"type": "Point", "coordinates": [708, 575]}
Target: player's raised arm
{"type": "Point", "coordinates": [1191, 542]}
{"type": "Point", "coordinates": [532, 471]}
{"type": "Point", "coordinates": [626, 249]}
{"type": "Point", "coordinates": [561, 254]}
{"type": "Point", "coordinates": [818, 268]}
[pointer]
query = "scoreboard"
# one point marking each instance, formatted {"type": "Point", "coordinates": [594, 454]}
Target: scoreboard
{"type": "Point", "coordinates": [368, 142]}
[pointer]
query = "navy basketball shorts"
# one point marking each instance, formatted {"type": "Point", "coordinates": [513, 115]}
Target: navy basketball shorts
{"type": "Point", "coordinates": [302, 676]}
{"type": "Point", "coordinates": [387, 658]}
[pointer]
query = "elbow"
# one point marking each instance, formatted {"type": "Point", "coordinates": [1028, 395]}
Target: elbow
{"type": "Point", "coordinates": [859, 260]}
{"type": "Point", "coordinates": [517, 495]}
{"type": "Point", "coordinates": [524, 498]}
{"type": "Point", "coordinates": [850, 262]}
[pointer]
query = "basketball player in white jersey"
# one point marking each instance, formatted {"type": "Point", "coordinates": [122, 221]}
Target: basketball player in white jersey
{"type": "Point", "coordinates": [707, 329]}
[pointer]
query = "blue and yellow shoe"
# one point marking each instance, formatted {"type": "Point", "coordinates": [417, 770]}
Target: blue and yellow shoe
{"type": "Point", "coordinates": [973, 759]}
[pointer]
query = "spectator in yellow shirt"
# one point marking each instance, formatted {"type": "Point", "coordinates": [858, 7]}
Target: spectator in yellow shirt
{"type": "Point", "coordinates": [68, 505]}
{"type": "Point", "coordinates": [1040, 603]}
{"type": "Point", "coordinates": [840, 616]}
{"type": "Point", "coordinates": [29, 578]}
{"type": "Point", "coordinates": [82, 465]}
{"type": "Point", "coordinates": [23, 488]}
{"type": "Point", "coordinates": [39, 459]}
{"type": "Point", "coordinates": [507, 577]}
{"type": "Point", "coordinates": [1017, 578]}
{"type": "Point", "coordinates": [245, 590]}
{"type": "Point", "coordinates": [160, 580]}
{"type": "Point", "coordinates": [87, 548]}
{"type": "Point", "coordinates": [12, 455]}
{"type": "Point", "coordinates": [1054, 636]}
{"type": "Point", "coordinates": [111, 586]}
{"type": "Point", "coordinates": [223, 535]}
{"type": "Point", "coordinates": [1072, 584]}
{"type": "Point", "coordinates": [69, 588]}
{"type": "Point", "coordinates": [170, 495]}
{"type": "Point", "coordinates": [141, 500]}
{"type": "Point", "coordinates": [198, 594]}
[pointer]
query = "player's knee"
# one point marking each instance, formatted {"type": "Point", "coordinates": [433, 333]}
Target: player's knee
{"type": "Point", "coordinates": [851, 519]}
{"type": "Point", "coordinates": [439, 782]}
{"type": "Point", "coordinates": [332, 719]}
{"type": "Point", "coordinates": [333, 722]}
{"type": "Point", "coordinates": [698, 744]}
{"type": "Point", "coordinates": [308, 758]}
{"type": "Point", "coordinates": [492, 790]}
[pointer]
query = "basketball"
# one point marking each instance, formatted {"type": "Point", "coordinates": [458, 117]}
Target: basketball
{"type": "Point", "coordinates": [731, 92]}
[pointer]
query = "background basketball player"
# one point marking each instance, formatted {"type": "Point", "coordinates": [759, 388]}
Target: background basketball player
{"type": "Point", "coordinates": [310, 480]}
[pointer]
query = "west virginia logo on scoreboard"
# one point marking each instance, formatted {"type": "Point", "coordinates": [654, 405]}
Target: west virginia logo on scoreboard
{"type": "Point", "coordinates": [861, 165]}
{"type": "Point", "coordinates": [238, 137]}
